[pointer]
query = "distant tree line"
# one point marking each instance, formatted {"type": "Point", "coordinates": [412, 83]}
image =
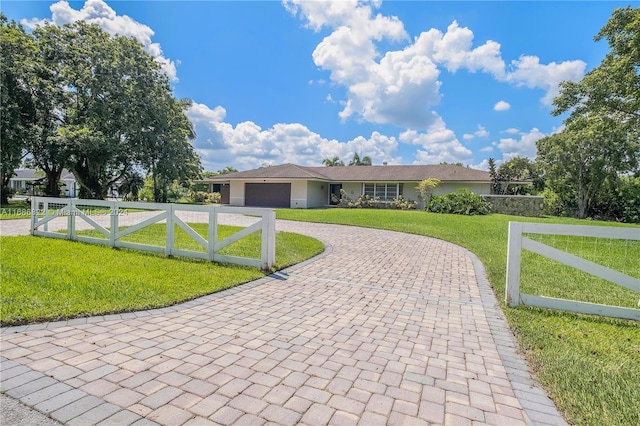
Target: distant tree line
{"type": "Point", "coordinates": [75, 97]}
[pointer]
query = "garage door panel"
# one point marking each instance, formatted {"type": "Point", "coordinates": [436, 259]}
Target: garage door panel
{"type": "Point", "coordinates": [267, 194]}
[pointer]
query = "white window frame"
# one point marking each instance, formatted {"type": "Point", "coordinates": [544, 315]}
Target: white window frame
{"type": "Point", "coordinates": [377, 185]}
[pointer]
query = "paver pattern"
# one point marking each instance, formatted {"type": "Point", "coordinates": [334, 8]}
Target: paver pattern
{"type": "Point", "coordinates": [384, 328]}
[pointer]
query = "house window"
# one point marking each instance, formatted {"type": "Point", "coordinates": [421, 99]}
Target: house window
{"type": "Point", "coordinates": [383, 191]}
{"type": "Point", "coordinates": [369, 189]}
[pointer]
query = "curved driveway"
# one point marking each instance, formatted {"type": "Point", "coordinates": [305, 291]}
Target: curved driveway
{"type": "Point", "coordinates": [383, 328]}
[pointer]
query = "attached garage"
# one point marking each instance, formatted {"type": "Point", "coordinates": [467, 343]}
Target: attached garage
{"type": "Point", "coordinates": [267, 194]}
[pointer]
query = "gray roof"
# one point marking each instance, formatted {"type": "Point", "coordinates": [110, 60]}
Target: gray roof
{"type": "Point", "coordinates": [30, 174]}
{"type": "Point", "coordinates": [413, 173]}
{"type": "Point", "coordinates": [25, 174]}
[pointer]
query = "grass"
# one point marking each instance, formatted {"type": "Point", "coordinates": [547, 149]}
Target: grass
{"type": "Point", "coordinates": [16, 209]}
{"type": "Point", "coordinates": [589, 365]}
{"type": "Point", "coordinates": [46, 279]}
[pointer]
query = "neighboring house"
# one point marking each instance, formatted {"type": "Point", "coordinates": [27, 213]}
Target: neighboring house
{"type": "Point", "coordinates": [289, 185]}
{"type": "Point", "coordinates": [25, 179]}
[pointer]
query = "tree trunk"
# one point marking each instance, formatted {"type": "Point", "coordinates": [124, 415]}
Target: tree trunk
{"type": "Point", "coordinates": [4, 195]}
{"type": "Point", "coordinates": [583, 200]}
{"type": "Point", "coordinates": [53, 178]}
{"type": "Point", "coordinates": [4, 190]}
{"type": "Point", "coordinates": [90, 186]}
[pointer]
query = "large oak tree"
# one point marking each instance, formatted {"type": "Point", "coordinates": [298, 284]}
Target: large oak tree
{"type": "Point", "coordinates": [17, 110]}
{"type": "Point", "coordinates": [104, 109]}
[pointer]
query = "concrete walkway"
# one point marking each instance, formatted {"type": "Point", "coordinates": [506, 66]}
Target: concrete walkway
{"type": "Point", "coordinates": [383, 328]}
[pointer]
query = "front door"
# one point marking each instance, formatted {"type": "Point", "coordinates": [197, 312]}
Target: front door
{"type": "Point", "coordinates": [334, 193]}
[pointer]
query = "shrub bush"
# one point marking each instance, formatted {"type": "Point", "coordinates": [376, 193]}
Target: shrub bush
{"type": "Point", "coordinates": [402, 203]}
{"type": "Point", "coordinates": [197, 196]}
{"type": "Point", "coordinates": [463, 201]}
{"type": "Point", "coordinates": [368, 202]}
{"type": "Point", "coordinates": [213, 198]}
{"type": "Point", "coordinates": [203, 197]}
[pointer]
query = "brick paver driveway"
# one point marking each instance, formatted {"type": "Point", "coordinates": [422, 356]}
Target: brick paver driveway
{"type": "Point", "coordinates": [384, 328]}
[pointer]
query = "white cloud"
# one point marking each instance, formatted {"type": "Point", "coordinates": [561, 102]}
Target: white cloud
{"type": "Point", "coordinates": [437, 144]}
{"type": "Point", "coordinates": [529, 72]}
{"type": "Point", "coordinates": [201, 113]}
{"type": "Point", "coordinates": [483, 165]}
{"type": "Point", "coordinates": [511, 130]}
{"type": "Point", "coordinates": [502, 106]}
{"type": "Point", "coordinates": [100, 13]}
{"type": "Point", "coordinates": [480, 133]}
{"type": "Point", "coordinates": [525, 146]}
{"type": "Point", "coordinates": [454, 50]}
{"type": "Point", "coordinates": [248, 146]}
{"type": "Point", "coordinates": [401, 87]}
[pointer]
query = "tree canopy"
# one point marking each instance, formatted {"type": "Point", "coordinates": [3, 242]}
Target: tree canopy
{"type": "Point", "coordinates": [611, 89]}
{"type": "Point", "coordinates": [18, 105]}
{"type": "Point", "coordinates": [103, 109]}
{"type": "Point", "coordinates": [585, 163]}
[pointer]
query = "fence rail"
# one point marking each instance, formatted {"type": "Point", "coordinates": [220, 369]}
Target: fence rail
{"type": "Point", "coordinates": [113, 220]}
{"type": "Point", "coordinates": [517, 242]}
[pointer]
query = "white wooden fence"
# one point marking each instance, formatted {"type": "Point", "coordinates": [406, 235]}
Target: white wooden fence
{"type": "Point", "coordinates": [517, 242]}
{"type": "Point", "coordinates": [64, 217]}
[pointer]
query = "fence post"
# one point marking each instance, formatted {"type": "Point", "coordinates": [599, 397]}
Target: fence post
{"type": "Point", "coordinates": [34, 213]}
{"type": "Point", "coordinates": [170, 231]}
{"type": "Point", "coordinates": [113, 220]}
{"type": "Point", "coordinates": [213, 231]}
{"type": "Point", "coordinates": [71, 221]}
{"type": "Point", "coordinates": [514, 254]}
{"type": "Point", "coordinates": [45, 208]}
{"type": "Point", "coordinates": [268, 243]}
{"type": "Point", "coordinates": [272, 239]}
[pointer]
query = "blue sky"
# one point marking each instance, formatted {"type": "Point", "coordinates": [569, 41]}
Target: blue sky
{"type": "Point", "coordinates": [403, 82]}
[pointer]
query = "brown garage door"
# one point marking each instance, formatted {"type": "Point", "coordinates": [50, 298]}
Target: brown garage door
{"type": "Point", "coordinates": [267, 194]}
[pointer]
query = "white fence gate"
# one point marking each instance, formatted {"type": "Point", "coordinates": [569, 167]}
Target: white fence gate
{"type": "Point", "coordinates": [517, 242]}
{"type": "Point", "coordinates": [64, 217]}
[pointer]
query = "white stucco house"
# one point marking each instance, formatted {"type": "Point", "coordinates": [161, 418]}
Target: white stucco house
{"type": "Point", "coordinates": [24, 180]}
{"type": "Point", "coordinates": [293, 186]}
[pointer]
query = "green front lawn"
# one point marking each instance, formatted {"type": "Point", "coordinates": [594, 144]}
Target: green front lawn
{"type": "Point", "coordinates": [589, 365]}
{"type": "Point", "coordinates": [46, 279]}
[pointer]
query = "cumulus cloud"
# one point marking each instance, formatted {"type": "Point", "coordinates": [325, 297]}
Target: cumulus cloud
{"type": "Point", "coordinates": [480, 133]}
{"type": "Point", "coordinates": [401, 87]}
{"type": "Point", "coordinates": [100, 13]}
{"type": "Point", "coordinates": [436, 145]}
{"type": "Point", "coordinates": [525, 146]}
{"type": "Point", "coordinates": [248, 146]}
{"type": "Point", "coordinates": [529, 72]}
{"type": "Point", "coordinates": [483, 165]}
{"type": "Point", "coordinates": [502, 106]}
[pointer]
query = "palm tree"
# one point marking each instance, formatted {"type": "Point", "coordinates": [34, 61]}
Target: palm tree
{"type": "Point", "coordinates": [227, 170]}
{"type": "Point", "coordinates": [357, 161]}
{"type": "Point", "coordinates": [131, 184]}
{"type": "Point", "coordinates": [335, 161]}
